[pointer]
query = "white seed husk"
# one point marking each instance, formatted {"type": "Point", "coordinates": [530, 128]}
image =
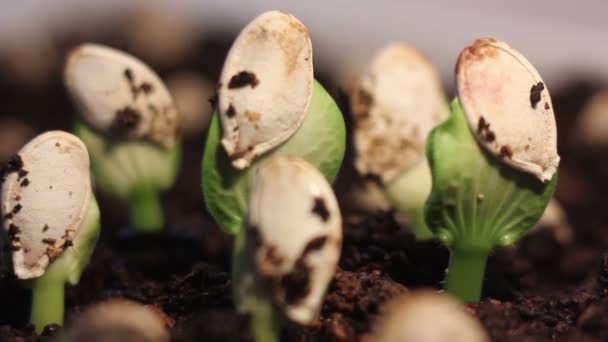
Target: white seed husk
{"type": "Point", "coordinates": [425, 315]}
{"type": "Point", "coordinates": [45, 202]}
{"type": "Point", "coordinates": [272, 59]}
{"type": "Point", "coordinates": [118, 320]}
{"type": "Point", "coordinates": [117, 94]}
{"type": "Point", "coordinates": [396, 103]}
{"type": "Point", "coordinates": [295, 228]}
{"type": "Point", "coordinates": [508, 106]}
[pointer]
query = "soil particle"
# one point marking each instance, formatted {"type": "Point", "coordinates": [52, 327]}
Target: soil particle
{"type": "Point", "coordinates": [16, 209]}
{"type": "Point", "coordinates": [315, 245]}
{"type": "Point", "coordinates": [126, 120]}
{"type": "Point", "coordinates": [535, 93]}
{"type": "Point", "coordinates": [320, 208]}
{"type": "Point", "coordinates": [24, 183]}
{"type": "Point", "coordinates": [230, 112]}
{"type": "Point", "coordinates": [243, 79]}
{"type": "Point", "coordinates": [505, 152]}
{"type": "Point", "coordinates": [296, 283]}
{"type": "Point", "coordinates": [483, 129]}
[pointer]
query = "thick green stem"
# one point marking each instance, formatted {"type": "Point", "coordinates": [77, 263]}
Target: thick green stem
{"type": "Point", "coordinates": [47, 302]}
{"type": "Point", "coordinates": [419, 227]}
{"type": "Point", "coordinates": [465, 274]}
{"type": "Point", "coordinates": [265, 325]}
{"type": "Point", "coordinates": [146, 211]}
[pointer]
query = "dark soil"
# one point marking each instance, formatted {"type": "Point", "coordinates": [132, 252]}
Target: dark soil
{"type": "Point", "coordinates": [538, 290]}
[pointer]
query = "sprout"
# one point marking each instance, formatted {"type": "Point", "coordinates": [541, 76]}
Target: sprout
{"type": "Point", "coordinates": [289, 252]}
{"type": "Point", "coordinates": [493, 162]}
{"type": "Point", "coordinates": [129, 124]}
{"type": "Point", "coordinates": [396, 104]}
{"type": "Point", "coordinates": [424, 315]}
{"type": "Point", "coordinates": [51, 219]}
{"type": "Point", "coordinates": [119, 320]}
{"type": "Point", "coordinates": [269, 104]}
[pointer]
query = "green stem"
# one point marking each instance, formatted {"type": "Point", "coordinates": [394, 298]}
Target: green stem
{"type": "Point", "coordinates": [146, 211]}
{"type": "Point", "coordinates": [47, 302]}
{"type": "Point", "coordinates": [419, 227]}
{"type": "Point", "coordinates": [265, 325]}
{"type": "Point", "coordinates": [465, 274]}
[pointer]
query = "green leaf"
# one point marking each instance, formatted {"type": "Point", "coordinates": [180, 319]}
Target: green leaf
{"type": "Point", "coordinates": [122, 167]}
{"type": "Point", "coordinates": [477, 202]}
{"type": "Point", "coordinates": [320, 140]}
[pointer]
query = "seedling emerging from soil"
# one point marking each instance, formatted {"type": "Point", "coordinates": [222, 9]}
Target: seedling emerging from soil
{"type": "Point", "coordinates": [51, 219]}
{"type": "Point", "coordinates": [425, 315]}
{"type": "Point", "coordinates": [129, 124]}
{"type": "Point", "coordinates": [268, 104]}
{"type": "Point", "coordinates": [288, 253]}
{"type": "Point", "coordinates": [493, 162]}
{"type": "Point", "coordinates": [119, 320]}
{"type": "Point", "coordinates": [396, 104]}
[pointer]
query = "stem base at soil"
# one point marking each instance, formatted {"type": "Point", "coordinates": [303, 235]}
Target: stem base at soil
{"type": "Point", "coordinates": [146, 211]}
{"type": "Point", "coordinates": [47, 303]}
{"type": "Point", "coordinates": [465, 274]}
{"type": "Point", "coordinates": [265, 325]}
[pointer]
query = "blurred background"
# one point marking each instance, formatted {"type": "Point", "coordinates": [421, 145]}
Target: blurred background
{"type": "Point", "coordinates": [560, 38]}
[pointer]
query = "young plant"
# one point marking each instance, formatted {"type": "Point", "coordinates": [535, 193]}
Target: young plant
{"type": "Point", "coordinates": [129, 123]}
{"type": "Point", "coordinates": [493, 162]}
{"type": "Point", "coordinates": [119, 320]}
{"type": "Point", "coordinates": [268, 104]}
{"type": "Point", "coordinates": [51, 219]}
{"type": "Point", "coordinates": [397, 102]}
{"type": "Point", "coordinates": [426, 315]}
{"type": "Point", "coordinates": [290, 249]}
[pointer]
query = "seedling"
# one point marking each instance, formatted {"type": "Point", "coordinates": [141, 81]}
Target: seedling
{"type": "Point", "coordinates": [268, 104]}
{"type": "Point", "coordinates": [129, 123]}
{"type": "Point", "coordinates": [288, 254]}
{"type": "Point", "coordinates": [51, 219]}
{"type": "Point", "coordinates": [119, 320]}
{"type": "Point", "coordinates": [425, 315]}
{"type": "Point", "coordinates": [493, 162]}
{"type": "Point", "coordinates": [396, 104]}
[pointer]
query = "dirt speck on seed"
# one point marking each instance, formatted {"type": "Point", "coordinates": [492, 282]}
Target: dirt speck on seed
{"type": "Point", "coordinates": [243, 79]}
{"type": "Point", "coordinates": [126, 119]}
{"type": "Point", "coordinates": [320, 208]}
{"type": "Point", "coordinates": [230, 112]}
{"type": "Point", "coordinates": [505, 152]}
{"type": "Point", "coordinates": [535, 92]}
